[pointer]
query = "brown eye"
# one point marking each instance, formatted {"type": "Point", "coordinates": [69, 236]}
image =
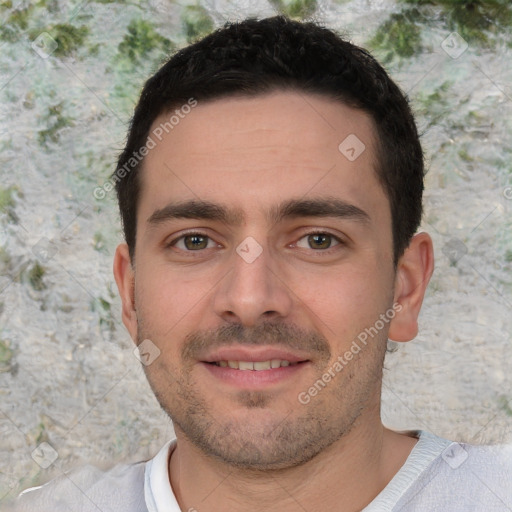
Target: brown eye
{"type": "Point", "coordinates": [192, 242]}
{"type": "Point", "coordinates": [320, 241]}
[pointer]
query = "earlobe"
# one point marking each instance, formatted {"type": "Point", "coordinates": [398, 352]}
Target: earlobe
{"type": "Point", "coordinates": [125, 279]}
{"type": "Point", "coordinates": [413, 274]}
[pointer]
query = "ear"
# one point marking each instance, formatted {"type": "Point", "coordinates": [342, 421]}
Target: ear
{"type": "Point", "coordinates": [125, 279]}
{"type": "Point", "coordinates": [413, 274]}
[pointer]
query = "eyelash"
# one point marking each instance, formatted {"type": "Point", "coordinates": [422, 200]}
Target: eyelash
{"type": "Point", "coordinates": [173, 242]}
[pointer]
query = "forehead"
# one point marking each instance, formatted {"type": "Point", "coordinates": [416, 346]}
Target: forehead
{"type": "Point", "coordinates": [255, 152]}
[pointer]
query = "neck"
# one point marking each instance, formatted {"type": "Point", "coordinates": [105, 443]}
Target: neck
{"type": "Point", "coordinates": [351, 472]}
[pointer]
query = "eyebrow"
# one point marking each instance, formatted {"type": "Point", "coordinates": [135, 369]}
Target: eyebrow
{"type": "Point", "coordinates": [290, 209]}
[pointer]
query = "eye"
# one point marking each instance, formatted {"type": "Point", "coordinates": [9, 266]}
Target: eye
{"type": "Point", "coordinates": [192, 242]}
{"type": "Point", "coordinates": [318, 240]}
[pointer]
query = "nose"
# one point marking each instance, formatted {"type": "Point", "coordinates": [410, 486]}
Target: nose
{"type": "Point", "coordinates": [255, 289]}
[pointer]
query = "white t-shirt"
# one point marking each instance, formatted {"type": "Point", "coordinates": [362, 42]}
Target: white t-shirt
{"type": "Point", "coordinates": [438, 475]}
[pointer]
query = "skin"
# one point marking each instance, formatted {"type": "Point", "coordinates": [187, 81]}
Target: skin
{"type": "Point", "coordinates": [261, 449]}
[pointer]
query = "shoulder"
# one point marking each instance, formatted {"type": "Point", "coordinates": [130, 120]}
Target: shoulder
{"type": "Point", "coordinates": [464, 477]}
{"type": "Point", "coordinates": [89, 489]}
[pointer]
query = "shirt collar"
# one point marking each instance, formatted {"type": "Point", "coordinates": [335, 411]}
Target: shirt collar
{"type": "Point", "coordinates": [158, 492]}
{"type": "Point", "coordinates": [160, 497]}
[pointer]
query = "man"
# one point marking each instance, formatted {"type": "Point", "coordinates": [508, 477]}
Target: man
{"type": "Point", "coordinates": [270, 191]}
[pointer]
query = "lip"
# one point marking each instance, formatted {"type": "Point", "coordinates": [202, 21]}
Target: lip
{"type": "Point", "coordinates": [253, 354]}
{"type": "Point", "coordinates": [254, 379]}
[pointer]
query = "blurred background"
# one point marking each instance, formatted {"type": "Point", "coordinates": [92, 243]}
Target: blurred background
{"type": "Point", "coordinates": [71, 389]}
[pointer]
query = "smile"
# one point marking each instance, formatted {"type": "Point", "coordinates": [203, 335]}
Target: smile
{"type": "Point", "coordinates": [254, 365]}
{"type": "Point", "coordinates": [264, 374]}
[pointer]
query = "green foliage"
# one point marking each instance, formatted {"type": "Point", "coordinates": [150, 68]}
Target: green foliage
{"type": "Point", "coordinates": [8, 202]}
{"type": "Point", "coordinates": [475, 24]}
{"type": "Point", "coordinates": [54, 121]}
{"type": "Point", "coordinates": [19, 18]}
{"type": "Point", "coordinates": [474, 20]}
{"type": "Point", "coordinates": [196, 22]}
{"type": "Point", "coordinates": [505, 405]}
{"type": "Point", "coordinates": [296, 9]}
{"type": "Point", "coordinates": [472, 6]}
{"type": "Point", "coordinates": [68, 37]}
{"type": "Point", "coordinates": [434, 106]}
{"type": "Point", "coordinates": [398, 36]}
{"type": "Point", "coordinates": [16, 21]}
{"type": "Point", "coordinates": [6, 354]}
{"type": "Point", "coordinates": [99, 242]}
{"type": "Point", "coordinates": [35, 277]}
{"type": "Point", "coordinates": [141, 40]}
{"type": "Point", "coordinates": [5, 260]}
{"type": "Point", "coordinates": [465, 156]}
{"type": "Point", "coordinates": [138, 55]}
{"type": "Point", "coordinates": [100, 304]}
{"type": "Point", "coordinates": [104, 309]}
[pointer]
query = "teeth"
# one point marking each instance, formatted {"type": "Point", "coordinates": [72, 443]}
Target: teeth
{"type": "Point", "coordinates": [258, 365]}
{"type": "Point", "coordinates": [262, 365]}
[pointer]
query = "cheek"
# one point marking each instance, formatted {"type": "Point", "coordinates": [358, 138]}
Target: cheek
{"type": "Point", "coordinates": [344, 301]}
{"type": "Point", "coordinates": [173, 302]}
{"type": "Point", "coordinates": [164, 298]}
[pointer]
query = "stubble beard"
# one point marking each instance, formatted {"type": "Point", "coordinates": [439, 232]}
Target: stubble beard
{"type": "Point", "coordinates": [290, 438]}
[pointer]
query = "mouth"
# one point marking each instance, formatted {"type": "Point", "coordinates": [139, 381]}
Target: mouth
{"type": "Point", "coordinates": [270, 364]}
{"type": "Point", "coordinates": [254, 369]}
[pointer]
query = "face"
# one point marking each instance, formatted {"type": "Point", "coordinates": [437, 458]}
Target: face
{"type": "Point", "coordinates": [262, 254]}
